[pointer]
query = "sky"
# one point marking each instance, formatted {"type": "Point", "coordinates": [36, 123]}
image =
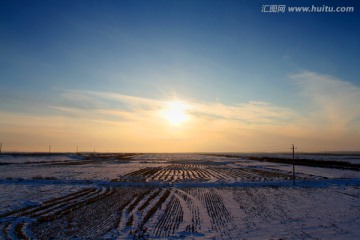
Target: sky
{"type": "Point", "coordinates": [178, 76]}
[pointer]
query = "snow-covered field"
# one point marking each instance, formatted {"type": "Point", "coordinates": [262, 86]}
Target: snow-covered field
{"type": "Point", "coordinates": [162, 196]}
{"type": "Point", "coordinates": [340, 157]}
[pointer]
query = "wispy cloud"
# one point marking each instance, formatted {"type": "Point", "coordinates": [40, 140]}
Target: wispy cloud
{"type": "Point", "coordinates": [99, 98]}
{"type": "Point", "coordinates": [136, 124]}
{"type": "Point", "coordinates": [253, 112]}
{"type": "Point", "coordinates": [335, 103]}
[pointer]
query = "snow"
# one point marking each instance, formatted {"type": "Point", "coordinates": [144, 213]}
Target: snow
{"type": "Point", "coordinates": [33, 158]}
{"type": "Point", "coordinates": [342, 157]}
{"type": "Point", "coordinates": [88, 171]}
{"type": "Point", "coordinates": [162, 196]}
{"type": "Point", "coordinates": [14, 195]}
{"type": "Point", "coordinates": [317, 171]}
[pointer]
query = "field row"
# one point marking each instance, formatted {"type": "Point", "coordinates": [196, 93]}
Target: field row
{"type": "Point", "coordinates": [15, 224]}
{"type": "Point", "coordinates": [187, 172]}
{"type": "Point", "coordinates": [152, 212]}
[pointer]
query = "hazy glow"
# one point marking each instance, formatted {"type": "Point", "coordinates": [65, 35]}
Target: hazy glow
{"type": "Point", "coordinates": [108, 121]}
{"type": "Point", "coordinates": [175, 113]}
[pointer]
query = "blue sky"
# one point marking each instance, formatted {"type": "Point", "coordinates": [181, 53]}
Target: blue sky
{"type": "Point", "coordinates": [61, 55]}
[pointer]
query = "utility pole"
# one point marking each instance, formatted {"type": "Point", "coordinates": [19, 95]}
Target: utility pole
{"type": "Point", "coordinates": [293, 153]}
{"type": "Point", "coordinates": [49, 149]}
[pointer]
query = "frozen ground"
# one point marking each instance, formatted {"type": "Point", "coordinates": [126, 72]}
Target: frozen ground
{"type": "Point", "coordinates": [341, 157]}
{"type": "Point", "coordinates": [18, 195]}
{"type": "Point", "coordinates": [162, 196]}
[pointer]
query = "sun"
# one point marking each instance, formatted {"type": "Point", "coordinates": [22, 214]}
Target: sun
{"type": "Point", "coordinates": [175, 112]}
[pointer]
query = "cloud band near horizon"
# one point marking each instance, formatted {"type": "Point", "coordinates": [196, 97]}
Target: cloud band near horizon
{"type": "Point", "coordinates": [119, 122]}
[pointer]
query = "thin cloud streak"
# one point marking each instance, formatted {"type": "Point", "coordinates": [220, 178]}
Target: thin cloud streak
{"type": "Point", "coordinates": [253, 112]}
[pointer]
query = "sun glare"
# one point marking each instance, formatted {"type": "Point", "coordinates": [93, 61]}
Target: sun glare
{"type": "Point", "coordinates": [175, 113]}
